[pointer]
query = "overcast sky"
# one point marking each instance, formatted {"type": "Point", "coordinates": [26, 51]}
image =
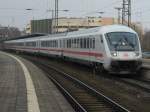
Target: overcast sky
{"type": "Point", "coordinates": [14, 13]}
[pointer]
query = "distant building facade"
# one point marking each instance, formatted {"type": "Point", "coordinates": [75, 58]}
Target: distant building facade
{"type": "Point", "coordinates": [39, 26]}
{"type": "Point", "coordinates": [69, 24]}
{"type": "Point", "coordinates": [66, 24]}
{"type": "Point", "coordinates": [72, 24]}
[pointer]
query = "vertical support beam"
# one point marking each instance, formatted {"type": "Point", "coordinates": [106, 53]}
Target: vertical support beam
{"type": "Point", "coordinates": [126, 12]}
{"type": "Point", "coordinates": [119, 12]}
{"type": "Point", "coordinates": [56, 16]}
{"type": "Point", "coordinates": [129, 13]}
{"type": "Point", "coordinates": [123, 12]}
{"type": "Point", "coordinates": [52, 24]}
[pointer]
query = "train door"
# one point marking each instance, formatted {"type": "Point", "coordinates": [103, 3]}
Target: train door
{"type": "Point", "coordinates": [102, 48]}
{"type": "Point", "coordinates": [97, 48]}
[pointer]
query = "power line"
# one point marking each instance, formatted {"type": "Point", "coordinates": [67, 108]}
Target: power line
{"type": "Point", "coordinates": [103, 8]}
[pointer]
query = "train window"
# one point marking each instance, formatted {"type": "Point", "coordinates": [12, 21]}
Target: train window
{"type": "Point", "coordinates": [81, 43]}
{"type": "Point", "coordinates": [49, 43]}
{"type": "Point", "coordinates": [72, 43]}
{"type": "Point", "coordinates": [93, 43]}
{"type": "Point", "coordinates": [53, 43]}
{"type": "Point", "coordinates": [19, 44]}
{"type": "Point", "coordinates": [90, 42]}
{"type": "Point", "coordinates": [31, 44]}
{"type": "Point", "coordinates": [64, 43]}
{"type": "Point", "coordinates": [45, 43]}
{"type": "Point", "coordinates": [75, 43]}
{"type": "Point", "coordinates": [42, 43]}
{"type": "Point", "coordinates": [78, 43]}
{"type": "Point", "coordinates": [56, 43]}
{"type": "Point", "coordinates": [60, 42]}
{"type": "Point", "coordinates": [84, 43]}
{"type": "Point", "coordinates": [88, 46]}
{"type": "Point", "coordinates": [101, 38]}
{"type": "Point", "coordinates": [69, 43]}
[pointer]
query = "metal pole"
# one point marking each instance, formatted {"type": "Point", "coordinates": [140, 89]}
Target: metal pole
{"type": "Point", "coordinates": [129, 12]}
{"type": "Point", "coordinates": [56, 16]}
{"type": "Point", "coordinates": [123, 12]}
{"type": "Point", "coordinates": [126, 12]}
{"type": "Point", "coordinates": [119, 17]}
{"type": "Point", "coordinates": [52, 26]}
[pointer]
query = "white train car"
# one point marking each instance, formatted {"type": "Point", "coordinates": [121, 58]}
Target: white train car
{"type": "Point", "coordinates": [115, 48]}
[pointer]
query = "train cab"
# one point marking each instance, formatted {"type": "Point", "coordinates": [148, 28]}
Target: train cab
{"type": "Point", "coordinates": [123, 51]}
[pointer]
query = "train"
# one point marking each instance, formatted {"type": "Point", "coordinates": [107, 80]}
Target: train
{"type": "Point", "coordinates": [113, 48]}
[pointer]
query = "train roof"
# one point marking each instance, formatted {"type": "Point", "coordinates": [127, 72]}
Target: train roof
{"type": "Point", "coordinates": [103, 29]}
{"type": "Point", "coordinates": [90, 31]}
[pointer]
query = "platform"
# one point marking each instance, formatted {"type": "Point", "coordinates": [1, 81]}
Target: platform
{"type": "Point", "coordinates": [25, 88]}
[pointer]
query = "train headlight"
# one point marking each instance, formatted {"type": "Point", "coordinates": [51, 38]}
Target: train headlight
{"type": "Point", "coordinates": [114, 54]}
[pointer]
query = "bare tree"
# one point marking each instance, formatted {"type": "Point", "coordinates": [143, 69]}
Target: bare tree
{"type": "Point", "coordinates": [146, 41]}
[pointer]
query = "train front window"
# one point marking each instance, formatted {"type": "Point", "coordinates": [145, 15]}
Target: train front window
{"type": "Point", "coordinates": [122, 41]}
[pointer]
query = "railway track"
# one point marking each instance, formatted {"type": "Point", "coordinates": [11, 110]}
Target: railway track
{"type": "Point", "coordinates": [139, 83]}
{"type": "Point", "coordinates": [82, 97]}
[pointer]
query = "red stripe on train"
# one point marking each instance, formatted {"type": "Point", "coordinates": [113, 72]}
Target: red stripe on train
{"type": "Point", "coordinates": [68, 51]}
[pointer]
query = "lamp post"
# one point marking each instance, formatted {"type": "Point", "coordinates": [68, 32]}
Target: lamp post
{"type": "Point", "coordinates": [29, 9]}
{"type": "Point", "coordinates": [32, 28]}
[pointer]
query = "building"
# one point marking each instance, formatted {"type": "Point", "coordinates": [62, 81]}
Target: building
{"type": "Point", "coordinates": [39, 26]}
{"type": "Point", "coordinates": [72, 24]}
{"type": "Point", "coordinates": [67, 24]}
